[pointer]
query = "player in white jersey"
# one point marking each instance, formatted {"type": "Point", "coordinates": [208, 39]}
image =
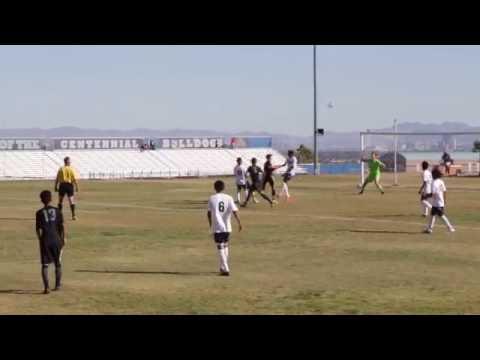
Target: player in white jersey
{"type": "Point", "coordinates": [426, 189]}
{"type": "Point", "coordinates": [438, 201]}
{"type": "Point", "coordinates": [240, 174]}
{"type": "Point", "coordinates": [220, 209]}
{"type": "Point", "coordinates": [291, 164]}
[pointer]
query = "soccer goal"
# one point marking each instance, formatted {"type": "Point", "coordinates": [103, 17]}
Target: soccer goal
{"type": "Point", "coordinates": [403, 152]}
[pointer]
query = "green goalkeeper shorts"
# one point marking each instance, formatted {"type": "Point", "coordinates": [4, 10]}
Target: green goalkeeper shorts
{"type": "Point", "coordinates": [372, 178]}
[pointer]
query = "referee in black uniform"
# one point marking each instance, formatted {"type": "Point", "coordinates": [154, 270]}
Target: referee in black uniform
{"type": "Point", "coordinates": [51, 236]}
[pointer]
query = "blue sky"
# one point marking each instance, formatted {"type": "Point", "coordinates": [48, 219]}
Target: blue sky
{"type": "Point", "coordinates": [237, 88]}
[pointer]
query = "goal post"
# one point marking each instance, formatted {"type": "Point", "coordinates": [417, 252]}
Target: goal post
{"type": "Point", "coordinates": [427, 146]}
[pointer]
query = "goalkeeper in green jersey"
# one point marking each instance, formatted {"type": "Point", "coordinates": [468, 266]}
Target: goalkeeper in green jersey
{"type": "Point", "coordinates": [374, 166]}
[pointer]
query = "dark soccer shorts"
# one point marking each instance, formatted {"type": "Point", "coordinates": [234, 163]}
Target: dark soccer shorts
{"type": "Point", "coordinates": [425, 196]}
{"type": "Point", "coordinates": [437, 211]}
{"type": "Point", "coordinates": [287, 177]}
{"type": "Point", "coordinates": [50, 253]}
{"type": "Point", "coordinates": [267, 180]}
{"type": "Point", "coordinates": [241, 187]}
{"type": "Point", "coordinates": [66, 189]}
{"type": "Point", "coordinates": [221, 238]}
{"type": "Point", "coordinates": [257, 186]}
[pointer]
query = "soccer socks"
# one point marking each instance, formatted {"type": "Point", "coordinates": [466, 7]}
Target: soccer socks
{"type": "Point", "coordinates": [222, 253]}
{"type": "Point", "coordinates": [379, 187]}
{"type": "Point", "coordinates": [45, 276]}
{"type": "Point", "coordinates": [58, 276]}
{"type": "Point", "coordinates": [426, 206]}
{"type": "Point", "coordinates": [266, 197]}
{"type": "Point", "coordinates": [445, 220]}
{"type": "Point", "coordinates": [431, 223]}
{"type": "Point", "coordinates": [285, 190]}
{"type": "Point", "coordinates": [249, 195]}
{"type": "Point", "coordinates": [72, 208]}
{"type": "Point", "coordinates": [238, 196]}
{"type": "Point", "coordinates": [60, 206]}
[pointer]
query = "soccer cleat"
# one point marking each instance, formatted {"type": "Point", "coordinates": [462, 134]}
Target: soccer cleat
{"type": "Point", "coordinates": [255, 201]}
{"type": "Point", "coordinates": [74, 218]}
{"type": "Point", "coordinates": [224, 273]}
{"type": "Point", "coordinates": [46, 291]}
{"type": "Point", "coordinates": [451, 230]}
{"type": "Point", "coordinates": [428, 231]}
{"type": "Point", "coordinates": [57, 288]}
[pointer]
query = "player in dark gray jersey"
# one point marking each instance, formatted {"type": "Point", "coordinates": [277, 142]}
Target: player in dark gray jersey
{"type": "Point", "coordinates": [51, 236]}
{"type": "Point", "coordinates": [268, 170]}
{"type": "Point", "coordinates": [255, 172]}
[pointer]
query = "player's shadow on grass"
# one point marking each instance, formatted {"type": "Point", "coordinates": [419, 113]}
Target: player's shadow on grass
{"type": "Point", "coordinates": [133, 272]}
{"type": "Point", "coordinates": [21, 292]}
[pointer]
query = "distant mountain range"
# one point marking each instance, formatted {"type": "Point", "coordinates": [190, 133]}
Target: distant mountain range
{"type": "Point", "coordinates": [332, 141]}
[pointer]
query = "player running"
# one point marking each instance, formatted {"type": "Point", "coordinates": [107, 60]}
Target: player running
{"type": "Point", "coordinates": [51, 236]}
{"type": "Point", "coordinates": [66, 179]}
{"type": "Point", "coordinates": [426, 189]}
{"type": "Point", "coordinates": [255, 172]}
{"type": "Point", "coordinates": [268, 170]}
{"type": "Point", "coordinates": [291, 164]}
{"type": "Point", "coordinates": [220, 209]}
{"type": "Point", "coordinates": [374, 165]}
{"type": "Point", "coordinates": [439, 197]}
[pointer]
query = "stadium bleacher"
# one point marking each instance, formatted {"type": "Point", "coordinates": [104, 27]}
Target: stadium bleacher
{"type": "Point", "coordinates": [118, 164]}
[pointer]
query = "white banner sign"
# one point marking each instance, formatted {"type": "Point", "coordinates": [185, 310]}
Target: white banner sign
{"type": "Point", "coordinates": [190, 143]}
{"type": "Point", "coordinates": [20, 144]}
{"type": "Point", "coordinates": [81, 144]}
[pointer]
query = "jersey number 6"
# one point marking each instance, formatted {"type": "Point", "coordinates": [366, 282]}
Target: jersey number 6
{"type": "Point", "coordinates": [221, 206]}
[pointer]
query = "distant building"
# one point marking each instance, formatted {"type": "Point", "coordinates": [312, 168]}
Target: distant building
{"type": "Point", "coordinates": [389, 160]}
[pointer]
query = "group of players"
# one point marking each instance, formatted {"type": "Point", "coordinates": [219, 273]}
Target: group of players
{"type": "Point", "coordinates": [260, 178]}
{"type": "Point", "coordinates": [50, 227]}
{"type": "Point", "coordinates": [51, 232]}
{"type": "Point", "coordinates": [221, 206]}
{"type": "Point", "coordinates": [252, 180]}
{"type": "Point", "coordinates": [432, 191]}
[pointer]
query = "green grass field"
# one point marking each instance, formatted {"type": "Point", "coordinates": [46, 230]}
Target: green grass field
{"type": "Point", "coordinates": [144, 248]}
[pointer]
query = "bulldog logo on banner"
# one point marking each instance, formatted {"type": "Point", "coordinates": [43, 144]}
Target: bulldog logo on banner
{"type": "Point", "coordinates": [190, 143]}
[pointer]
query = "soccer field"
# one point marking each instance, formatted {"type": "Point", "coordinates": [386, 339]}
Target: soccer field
{"type": "Point", "coordinates": [144, 248]}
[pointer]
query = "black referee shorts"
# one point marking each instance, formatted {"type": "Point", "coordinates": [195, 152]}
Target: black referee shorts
{"type": "Point", "coordinates": [66, 189]}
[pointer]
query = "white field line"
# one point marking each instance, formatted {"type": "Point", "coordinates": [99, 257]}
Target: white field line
{"type": "Point", "coordinates": [174, 211]}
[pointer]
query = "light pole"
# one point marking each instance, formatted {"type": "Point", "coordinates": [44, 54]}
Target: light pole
{"type": "Point", "coordinates": [315, 154]}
